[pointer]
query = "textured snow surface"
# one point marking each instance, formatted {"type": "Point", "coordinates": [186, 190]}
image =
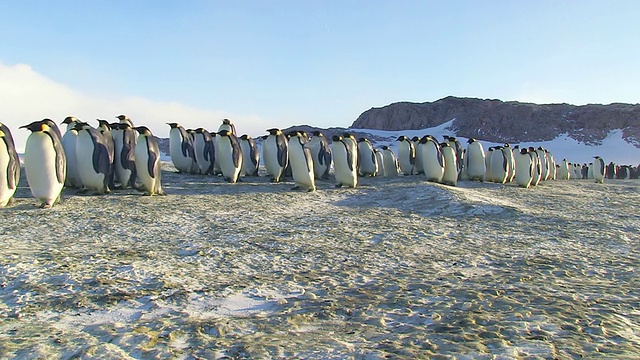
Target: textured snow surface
{"type": "Point", "coordinates": [396, 268]}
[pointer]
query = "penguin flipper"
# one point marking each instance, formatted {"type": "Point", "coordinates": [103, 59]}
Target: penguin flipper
{"type": "Point", "coordinates": [13, 175]}
{"type": "Point", "coordinates": [237, 151]}
{"type": "Point", "coordinates": [283, 153]}
{"type": "Point", "coordinates": [61, 158]}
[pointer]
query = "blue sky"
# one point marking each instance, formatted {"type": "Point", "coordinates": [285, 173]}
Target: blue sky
{"type": "Point", "coordinates": [279, 63]}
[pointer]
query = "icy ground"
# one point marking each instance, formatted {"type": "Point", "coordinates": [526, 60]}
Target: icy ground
{"type": "Point", "coordinates": [396, 268]}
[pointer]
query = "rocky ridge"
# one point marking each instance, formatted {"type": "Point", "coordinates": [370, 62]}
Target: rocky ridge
{"type": "Point", "coordinates": [509, 121]}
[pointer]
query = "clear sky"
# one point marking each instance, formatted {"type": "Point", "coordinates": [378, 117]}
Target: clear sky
{"type": "Point", "coordinates": [279, 63]}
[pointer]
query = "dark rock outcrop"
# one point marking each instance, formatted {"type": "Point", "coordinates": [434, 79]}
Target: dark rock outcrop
{"type": "Point", "coordinates": [508, 121]}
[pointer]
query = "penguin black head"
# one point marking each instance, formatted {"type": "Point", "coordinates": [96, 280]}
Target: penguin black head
{"type": "Point", "coordinates": [471, 140]}
{"type": "Point", "coordinates": [362, 139]}
{"type": "Point", "coordinates": [245, 137]}
{"type": "Point", "coordinates": [143, 130]}
{"type": "Point", "coordinates": [507, 145]}
{"type": "Point", "coordinates": [173, 125]}
{"type": "Point", "coordinates": [524, 151]}
{"type": "Point", "coordinates": [199, 130]}
{"type": "Point", "coordinates": [117, 126]}
{"type": "Point", "coordinates": [347, 135]}
{"type": "Point", "coordinates": [37, 126]}
{"type": "Point", "coordinates": [69, 120]}
{"type": "Point", "coordinates": [274, 131]}
{"type": "Point", "coordinates": [102, 122]}
{"type": "Point", "coordinates": [263, 137]}
{"type": "Point", "coordinates": [444, 144]}
{"type": "Point", "coordinates": [402, 138]}
{"type": "Point", "coordinates": [121, 117]}
{"type": "Point", "coordinates": [226, 121]}
{"type": "Point", "coordinates": [317, 133]}
{"type": "Point", "coordinates": [385, 147]}
{"type": "Point", "coordinates": [517, 147]}
{"type": "Point", "coordinates": [80, 125]}
{"type": "Point", "coordinates": [531, 148]}
{"type": "Point", "coordinates": [415, 138]}
{"type": "Point", "coordinates": [336, 138]}
{"type": "Point", "coordinates": [224, 133]}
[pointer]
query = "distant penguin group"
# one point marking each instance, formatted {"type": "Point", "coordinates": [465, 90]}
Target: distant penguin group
{"type": "Point", "coordinates": [118, 155]}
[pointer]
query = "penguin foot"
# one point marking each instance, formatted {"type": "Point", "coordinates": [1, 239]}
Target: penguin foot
{"type": "Point", "coordinates": [45, 205]}
{"type": "Point", "coordinates": [338, 185]}
{"type": "Point", "coordinates": [311, 190]}
{"type": "Point", "coordinates": [274, 180]}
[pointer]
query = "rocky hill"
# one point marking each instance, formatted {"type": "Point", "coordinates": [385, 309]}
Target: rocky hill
{"type": "Point", "coordinates": [509, 121]}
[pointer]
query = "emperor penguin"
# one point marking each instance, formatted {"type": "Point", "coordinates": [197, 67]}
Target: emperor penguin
{"type": "Point", "coordinates": [204, 151]}
{"type": "Point", "coordinates": [230, 155]}
{"type": "Point", "coordinates": [368, 165]}
{"type": "Point", "coordinates": [94, 160]}
{"type": "Point", "coordinates": [321, 155]}
{"type": "Point", "coordinates": [9, 167]}
{"type": "Point", "coordinates": [551, 162]}
{"type": "Point", "coordinates": [432, 159]}
{"type": "Point", "coordinates": [380, 161]}
{"type": "Point", "coordinates": [475, 160]}
{"type": "Point", "coordinates": [45, 162]}
{"type": "Point", "coordinates": [344, 162]}
{"type": "Point", "coordinates": [598, 169]}
{"type": "Point", "coordinates": [390, 161]}
{"type": "Point", "coordinates": [229, 126]}
{"type": "Point", "coordinates": [544, 164]}
{"type": "Point", "coordinates": [69, 140]}
{"type": "Point", "coordinates": [564, 170]}
{"type": "Point", "coordinates": [124, 119]}
{"type": "Point", "coordinates": [124, 143]}
{"type": "Point", "coordinates": [455, 144]}
{"type": "Point", "coordinates": [450, 176]}
{"type": "Point", "coordinates": [524, 168]}
{"type": "Point", "coordinates": [488, 175]}
{"type": "Point", "coordinates": [105, 130]}
{"type": "Point", "coordinates": [251, 156]}
{"type": "Point", "coordinates": [180, 148]}
{"type": "Point", "coordinates": [499, 165]}
{"type": "Point", "coordinates": [195, 169]}
{"type": "Point", "coordinates": [147, 158]}
{"type": "Point", "coordinates": [417, 169]}
{"type": "Point", "coordinates": [275, 151]}
{"type": "Point", "coordinates": [406, 155]}
{"type": "Point", "coordinates": [537, 166]}
{"type": "Point", "coordinates": [611, 170]}
{"type": "Point", "coordinates": [508, 154]}
{"type": "Point", "coordinates": [301, 162]}
{"type": "Point", "coordinates": [351, 141]}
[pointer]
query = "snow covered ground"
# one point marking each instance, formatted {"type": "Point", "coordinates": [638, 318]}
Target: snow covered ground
{"type": "Point", "coordinates": [396, 268]}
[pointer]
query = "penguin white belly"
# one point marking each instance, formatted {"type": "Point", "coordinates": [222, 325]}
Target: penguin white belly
{"type": "Point", "coordinates": [229, 169]}
{"type": "Point", "coordinates": [270, 152]}
{"type": "Point", "coordinates": [142, 160]}
{"type": "Point", "coordinates": [40, 165]}
{"type": "Point", "coordinates": [431, 162]}
{"type": "Point", "coordinates": [417, 169]}
{"type": "Point", "coordinates": [404, 158]}
{"type": "Point", "coordinates": [344, 173]}
{"type": "Point", "coordinates": [301, 167]}
{"type": "Point", "coordinates": [390, 163]}
{"type": "Point", "coordinates": [69, 140]}
{"type": "Point", "coordinates": [499, 167]}
{"type": "Point", "coordinates": [476, 166]}
{"type": "Point", "coordinates": [450, 176]}
{"type": "Point", "coordinates": [382, 171]}
{"type": "Point", "coordinates": [180, 161]}
{"type": "Point", "coordinates": [248, 167]}
{"type": "Point", "coordinates": [5, 192]}
{"type": "Point", "coordinates": [367, 165]}
{"type": "Point", "coordinates": [84, 157]}
{"type": "Point", "coordinates": [524, 170]}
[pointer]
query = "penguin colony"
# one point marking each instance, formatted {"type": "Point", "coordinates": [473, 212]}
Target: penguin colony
{"type": "Point", "coordinates": [95, 159]}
